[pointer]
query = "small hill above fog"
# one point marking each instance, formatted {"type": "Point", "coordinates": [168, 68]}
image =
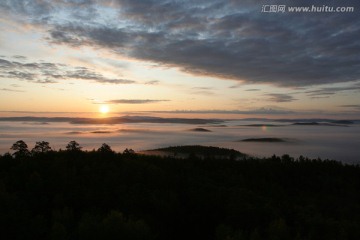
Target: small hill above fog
{"type": "Point", "coordinates": [198, 151]}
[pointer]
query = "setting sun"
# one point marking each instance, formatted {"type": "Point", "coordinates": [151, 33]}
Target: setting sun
{"type": "Point", "coordinates": [104, 109]}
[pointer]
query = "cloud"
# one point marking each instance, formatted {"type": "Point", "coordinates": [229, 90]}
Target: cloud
{"type": "Point", "coordinates": [86, 74]}
{"type": "Point", "coordinates": [10, 90]}
{"type": "Point", "coordinates": [351, 106]}
{"type": "Point", "coordinates": [153, 82]}
{"type": "Point", "coordinates": [252, 90]}
{"type": "Point", "coordinates": [113, 120]}
{"type": "Point", "coordinates": [328, 91]}
{"type": "Point", "coordinates": [225, 39]}
{"type": "Point", "coordinates": [46, 81]}
{"type": "Point", "coordinates": [202, 88]}
{"type": "Point", "coordinates": [236, 86]}
{"type": "Point", "coordinates": [205, 93]}
{"type": "Point", "coordinates": [19, 75]}
{"type": "Point", "coordinates": [315, 97]}
{"type": "Point", "coordinates": [280, 97]}
{"type": "Point", "coordinates": [46, 72]}
{"type": "Point", "coordinates": [258, 111]}
{"type": "Point", "coordinates": [134, 101]}
{"type": "Point", "coordinates": [19, 57]}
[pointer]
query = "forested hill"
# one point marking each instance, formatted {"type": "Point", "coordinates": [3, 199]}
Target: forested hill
{"type": "Point", "coordinates": [101, 194]}
{"type": "Point", "coordinates": [190, 151]}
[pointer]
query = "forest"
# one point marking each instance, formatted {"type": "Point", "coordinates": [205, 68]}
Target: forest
{"type": "Point", "coordinates": [103, 194]}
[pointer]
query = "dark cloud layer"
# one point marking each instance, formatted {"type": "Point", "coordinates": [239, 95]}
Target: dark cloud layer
{"type": "Point", "coordinates": [252, 90]}
{"type": "Point", "coordinates": [134, 101]}
{"type": "Point", "coordinates": [355, 107]}
{"type": "Point", "coordinates": [44, 72]}
{"type": "Point", "coordinates": [112, 120]}
{"type": "Point", "coordinates": [227, 39]}
{"type": "Point", "coordinates": [280, 97]}
{"type": "Point", "coordinates": [328, 91]}
{"type": "Point", "coordinates": [260, 111]}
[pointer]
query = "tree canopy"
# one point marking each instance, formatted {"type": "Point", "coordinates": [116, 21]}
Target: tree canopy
{"type": "Point", "coordinates": [41, 147]}
{"type": "Point", "coordinates": [20, 148]}
{"type": "Point", "coordinates": [92, 195]}
{"type": "Point", "coordinates": [73, 146]}
{"type": "Point", "coordinates": [105, 148]}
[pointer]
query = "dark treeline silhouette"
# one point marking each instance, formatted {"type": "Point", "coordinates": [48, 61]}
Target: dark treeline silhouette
{"type": "Point", "coordinates": [102, 194]}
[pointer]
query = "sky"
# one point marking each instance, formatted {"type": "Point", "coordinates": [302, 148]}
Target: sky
{"type": "Point", "coordinates": [203, 56]}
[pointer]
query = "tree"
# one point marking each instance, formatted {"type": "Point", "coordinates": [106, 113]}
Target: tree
{"type": "Point", "coordinates": [104, 148]}
{"type": "Point", "coordinates": [73, 146]}
{"type": "Point", "coordinates": [20, 148]}
{"type": "Point", "coordinates": [41, 147]}
{"type": "Point", "coordinates": [128, 152]}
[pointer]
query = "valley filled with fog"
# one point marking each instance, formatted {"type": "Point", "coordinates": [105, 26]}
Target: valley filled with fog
{"type": "Point", "coordinates": [326, 139]}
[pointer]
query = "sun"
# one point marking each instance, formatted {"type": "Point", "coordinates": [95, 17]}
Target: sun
{"type": "Point", "coordinates": [104, 109]}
